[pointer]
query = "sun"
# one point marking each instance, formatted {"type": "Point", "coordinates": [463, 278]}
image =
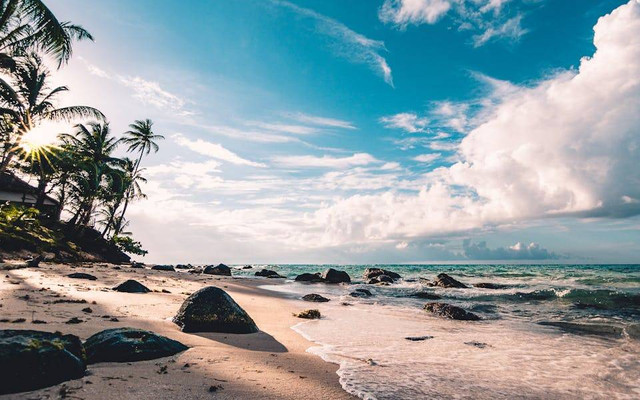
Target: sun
{"type": "Point", "coordinates": [38, 139]}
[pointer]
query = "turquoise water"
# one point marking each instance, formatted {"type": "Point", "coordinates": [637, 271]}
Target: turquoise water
{"type": "Point", "coordinates": [552, 331]}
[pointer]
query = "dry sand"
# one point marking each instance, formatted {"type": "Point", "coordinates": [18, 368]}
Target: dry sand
{"type": "Point", "coordinates": [271, 364]}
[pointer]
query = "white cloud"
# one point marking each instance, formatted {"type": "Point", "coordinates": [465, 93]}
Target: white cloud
{"type": "Point", "coordinates": [322, 121]}
{"type": "Point", "coordinates": [427, 158]}
{"type": "Point", "coordinates": [285, 128]}
{"type": "Point", "coordinates": [347, 43]}
{"type": "Point", "coordinates": [568, 145]}
{"type": "Point", "coordinates": [519, 251]}
{"type": "Point", "coordinates": [409, 122]}
{"type": "Point", "coordinates": [325, 161]}
{"type": "Point", "coordinates": [483, 16]}
{"type": "Point", "coordinates": [213, 150]}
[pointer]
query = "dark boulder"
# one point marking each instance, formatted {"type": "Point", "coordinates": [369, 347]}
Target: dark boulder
{"type": "Point", "coordinates": [132, 286]}
{"type": "Point", "coordinates": [184, 266]}
{"type": "Point", "coordinates": [129, 344]}
{"type": "Point", "coordinates": [247, 267]}
{"type": "Point", "coordinates": [334, 276]}
{"type": "Point", "coordinates": [267, 273]}
{"type": "Point", "coordinates": [315, 298]}
{"type": "Point", "coordinates": [445, 281]}
{"type": "Point", "coordinates": [82, 275]}
{"type": "Point", "coordinates": [211, 309]}
{"type": "Point", "coordinates": [136, 264]}
{"type": "Point", "coordinates": [360, 293]}
{"type": "Point", "coordinates": [219, 269]}
{"type": "Point", "coordinates": [486, 285]}
{"type": "Point", "coordinates": [426, 295]}
{"type": "Point", "coordinates": [451, 312]}
{"type": "Point", "coordinates": [306, 277]}
{"type": "Point", "coordinates": [380, 279]}
{"type": "Point", "coordinates": [32, 360]}
{"type": "Point", "coordinates": [163, 268]}
{"type": "Point", "coordinates": [371, 273]}
{"type": "Point", "coordinates": [34, 262]}
{"type": "Point", "coordinates": [309, 314]}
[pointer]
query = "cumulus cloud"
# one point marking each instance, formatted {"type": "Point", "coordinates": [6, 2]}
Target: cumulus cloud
{"type": "Point", "coordinates": [213, 150]}
{"type": "Point", "coordinates": [482, 16]}
{"type": "Point", "coordinates": [519, 251]}
{"type": "Point", "coordinates": [346, 43]}
{"type": "Point", "coordinates": [566, 146]}
{"type": "Point", "coordinates": [325, 161]}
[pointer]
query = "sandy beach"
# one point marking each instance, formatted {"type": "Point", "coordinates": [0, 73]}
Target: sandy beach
{"type": "Point", "coordinates": [271, 364]}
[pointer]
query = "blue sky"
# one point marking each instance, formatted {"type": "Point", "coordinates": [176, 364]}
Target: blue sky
{"type": "Point", "coordinates": [374, 131]}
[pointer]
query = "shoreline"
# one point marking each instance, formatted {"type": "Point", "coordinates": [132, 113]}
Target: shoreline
{"type": "Point", "coordinates": [271, 364]}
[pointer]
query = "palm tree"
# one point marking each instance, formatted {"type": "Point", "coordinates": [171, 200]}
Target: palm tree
{"type": "Point", "coordinates": [142, 139]}
{"type": "Point", "coordinates": [27, 101]}
{"type": "Point", "coordinates": [30, 24]}
{"type": "Point", "coordinates": [97, 170]}
{"type": "Point", "coordinates": [130, 190]}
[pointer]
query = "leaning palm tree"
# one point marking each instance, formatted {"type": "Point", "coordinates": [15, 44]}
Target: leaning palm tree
{"type": "Point", "coordinates": [27, 101]}
{"type": "Point", "coordinates": [132, 180]}
{"type": "Point", "coordinates": [31, 24]}
{"type": "Point", "coordinates": [142, 139]}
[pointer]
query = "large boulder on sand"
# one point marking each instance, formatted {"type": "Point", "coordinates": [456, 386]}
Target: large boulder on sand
{"type": "Point", "coordinates": [334, 276]}
{"type": "Point", "coordinates": [32, 360]}
{"type": "Point", "coordinates": [219, 269]}
{"type": "Point", "coordinates": [307, 277]}
{"type": "Point", "coordinates": [371, 273]}
{"type": "Point", "coordinates": [132, 286]}
{"type": "Point", "coordinates": [129, 344]}
{"type": "Point", "coordinates": [445, 281]}
{"type": "Point", "coordinates": [82, 275]}
{"type": "Point", "coordinates": [452, 312]}
{"type": "Point", "coordinates": [211, 309]}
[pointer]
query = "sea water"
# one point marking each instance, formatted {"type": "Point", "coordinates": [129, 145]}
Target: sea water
{"type": "Point", "coordinates": [552, 331]}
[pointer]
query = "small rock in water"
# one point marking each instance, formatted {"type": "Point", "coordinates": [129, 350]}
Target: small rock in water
{"type": "Point", "coordinates": [360, 293]}
{"type": "Point", "coordinates": [451, 312]}
{"type": "Point", "coordinates": [371, 273]}
{"type": "Point", "coordinates": [487, 285]}
{"type": "Point", "coordinates": [267, 273]}
{"type": "Point", "coordinates": [308, 314]}
{"type": "Point", "coordinates": [418, 338]}
{"type": "Point", "coordinates": [445, 281]}
{"type": "Point", "coordinates": [313, 297]}
{"type": "Point", "coordinates": [380, 279]}
{"type": "Point", "coordinates": [307, 277]}
{"type": "Point", "coordinates": [334, 276]}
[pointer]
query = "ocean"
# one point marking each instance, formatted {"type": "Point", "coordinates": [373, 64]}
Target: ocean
{"type": "Point", "coordinates": [550, 331]}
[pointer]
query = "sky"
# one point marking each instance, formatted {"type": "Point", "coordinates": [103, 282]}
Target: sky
{"type": "Point", "coordinates": [380, 131]}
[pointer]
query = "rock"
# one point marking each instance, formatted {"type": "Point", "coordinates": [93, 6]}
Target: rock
{"type": "Point", "coordinates": [34, 262]}
{"type": "Point", "coordinates": [136, 264]}
{"type": "Point", "coordinates": [82, 275]}
{"type": "Point", "coordinates": [426, 295]}
{"type": "Point", "coordinates": [486, 285]}
{"type": "Point", "coordinates": [418, 338]}
{"type": "Point", "coordinates": [211, 309]}
{"type": "Point", "coordinates": [371, 273]}
{"type": "Point", "coordinates": [451, 312]}
{"type": "Point", "coordinates": [334, 276]}
{"type": "Point", "coordinates": [129, 344]}
{"type": "Point", "coordinates": [163, 268]}
{"type": "Point", "coordinates": [247, 267]}
{"type": "Point", "coordinates": [219, 269]}
{"type": "Point", "coordinates": [445, 281]}
{"type": "Point", "coordinates": [87, 310]}
{"type": "Point", "coordinates": [132, 286]}
{"type": "Point", "coordinates": [360, 293]}
{"type": "Point", "coordinates": [309, 314]}
{"type": "Point", "coordinates": [184, 266]}
{"type": "Point", "coordinates": [306, 277]}
{"type": "Point", "coordinates": [74, 320]}
{"type": "Point", "coordinates": [31, 360]}
{"type": "Point", "coordinates": [268, 274]}
{"type": "Point", "coordinates": [380, 279]}
{"type": "Point", "coordinates": [479, 345]}
{"type": "Point", "coordinates": [315, 298]}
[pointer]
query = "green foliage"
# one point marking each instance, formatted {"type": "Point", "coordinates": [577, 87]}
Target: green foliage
{"type": "Point", "coordinates": [12, 215]}
{"type": "Point", "coordinates": [128, 245]}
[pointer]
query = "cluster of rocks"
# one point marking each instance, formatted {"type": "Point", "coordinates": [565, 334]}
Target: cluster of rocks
{"type": "Point", "coordinates": [219, 269]}
{"type": "Point", "coordinates": [380, 276]}
{"type": "Point", "coordinates": [31, 360]}
{"type": "Point", "coordinates": [267, 273]}
{"type": "Point", "coordinates": [329, 275]}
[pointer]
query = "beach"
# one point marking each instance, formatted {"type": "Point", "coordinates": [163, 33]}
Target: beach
{"type": "Point", "coordinates": [271, 364]}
